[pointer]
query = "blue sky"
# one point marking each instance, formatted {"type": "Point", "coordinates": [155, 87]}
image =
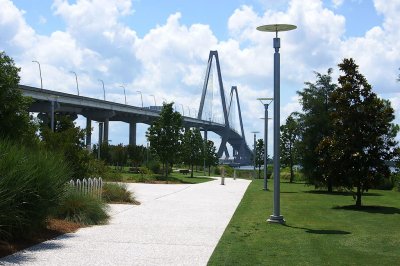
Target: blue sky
{"type": "Point", "coordinates": [161, 47]}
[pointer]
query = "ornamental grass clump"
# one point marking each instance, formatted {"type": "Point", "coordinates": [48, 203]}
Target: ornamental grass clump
{"type": "Point", "coordinates": [32, 182]}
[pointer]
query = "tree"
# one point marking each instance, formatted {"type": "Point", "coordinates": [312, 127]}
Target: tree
{"type": "Point", "coordinates": [69, 140]}
{"type": "Point", "coordinates": [259, 155]}
{"type": "Point", "coordinates": [136, 154]}
{"type": "Point", "coordinates": [290, 138]}
{"type": "Point", "coordinates": [211, 155]}
{"type": "Point", "coordinates": [192, 148]}
{"type": "Point", "coordinates": [363, 138]}
{"type": "Point", "coordinates": [15, 122]}
{"type": "Point", "coordinates": [316, 123]}
{"type": "Point", "coordinates": [165, 135]}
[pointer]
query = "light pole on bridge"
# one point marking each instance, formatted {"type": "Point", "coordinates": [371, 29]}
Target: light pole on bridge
{"type": "Point", "coordinates": [40, 73]}
{"type": "Point", "coordinates": [141, 97]}
{"type": "Point", "coordinates": [104, 90]}
{"type": "Point", "coordinates": [154, 98]}
{"type": "Point", "coordinates": [122, 86]}
{"type": "Point", "coordinates": [276, 217]}
{"type": "Point", "coordinates": [76, 79]}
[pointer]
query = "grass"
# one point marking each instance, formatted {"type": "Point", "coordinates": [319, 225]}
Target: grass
{"type": "Point", "coordinates": [117, 193]}
{"type": "Point", "coordinates": [321, 229]}
{"type": "Point", "coordinates": [173, 178]}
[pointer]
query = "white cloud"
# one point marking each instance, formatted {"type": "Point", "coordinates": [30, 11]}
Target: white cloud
{"type": "Point", "coordinates": [170, 60]}
{"type": "Point", "coordinates": [42, 20]}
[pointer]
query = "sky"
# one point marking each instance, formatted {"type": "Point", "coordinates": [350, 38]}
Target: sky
{"type": "Point", "coordinates": [161, 48]}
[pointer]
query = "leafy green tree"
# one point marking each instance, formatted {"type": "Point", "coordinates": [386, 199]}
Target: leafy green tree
{"type": "Point", "coordinates": [211, 155]}
{"type": "Point", "coordinates": [363, 138]}
{"type": "Point", "coordinates": [165, 135]}
{"type": "Point", "coordinates": [119, 155]}
{"type": "Point", "coordinates": [316, 123]}
{"type": "Point", "coordinates": [259, 155]}
{"type": "Point", "coordinates": [136, 154]}
{"type": "Point", "coordinates": [290, 139]}
{"type": "Point", "coordinates": [15, 122]}
{"type": "Point", "coordinates": [68, 139]}
{"type": "Point", "coordinates": [192, 148]}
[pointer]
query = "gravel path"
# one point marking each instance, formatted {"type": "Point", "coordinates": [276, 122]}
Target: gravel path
{"type": "Point", "coordinates": [174, 225]}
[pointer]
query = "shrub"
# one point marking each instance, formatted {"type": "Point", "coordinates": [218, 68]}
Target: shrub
{"type": "Point", "coordinates": [155, 167]}
{"type": "Point", "coordinates": [98, 168]}
{"type": "Point", "coordinates": [117, 193]}
{"type": "Point", "coordinates": [31, 184]}
{"type": "Point", "coordinates": [82, 208]}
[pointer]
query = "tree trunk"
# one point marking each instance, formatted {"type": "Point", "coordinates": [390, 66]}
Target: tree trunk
{"type": "Point", "coordinates": [191, 173]}
{"type": "Point", "coordinates": [330, 184]}
{"type": "Point", "coordinates": [358, 200]}
{"type": "Point", "coordinates": [209, 170]}
{"type": "Point", "coordinates": [259, 172]}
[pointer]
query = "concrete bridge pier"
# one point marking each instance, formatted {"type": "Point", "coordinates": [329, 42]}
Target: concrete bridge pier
{"type": "Point", "coordinates": [88, 134]}
{"type": "Point", "coordinates": [106, 127]}
{"type": "Point", "coordinates": [101, 133]}
{"type": "Point", "coordinates": [132, 133]}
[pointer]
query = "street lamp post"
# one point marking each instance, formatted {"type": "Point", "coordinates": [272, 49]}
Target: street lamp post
{"type": "Point", "coordinates": [40, 73]}
{"type": "Point", "coordinates": [104, 90]}
{"type": "Point", "coordinates": [266, 102]}
{"type": "Point", "coordinates": [183, 110]}
{"type": "Point", "coordinates": [76, 79]}
{"type": "Point", "coordinates": [276, 217]}
{"type": "Point", "coordinates": [154, 98]}
{"type": "Point", "coordinates": [122, 86]}
{"type": "Point", "coordinates": [254, 153]}
{"type": "Point", "coordinates": [141, 97]}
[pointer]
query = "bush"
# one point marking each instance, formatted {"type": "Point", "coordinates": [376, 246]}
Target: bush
{"type": "Point", "coordinates": [31, 185]}
{"type": "Point", "coordinates": [155, 167]}
{"type": "Point", "coordinates": [98, 168]}
{"type": "Point", "coordinates": [82, 208]}
{"type": "Point", "coordinates": [117, 193]}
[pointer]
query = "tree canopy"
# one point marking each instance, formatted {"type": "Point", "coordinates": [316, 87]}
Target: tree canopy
{"type": "Point", "coordinates": [165, 136]}
{"type": "Point", "coordinates": [211, 155]}
{"type": "Point", "coordinates": [363, 135]}
{"type": "Point", "coordinates": [259, 155]}
{"type": "Point", "coordinates": [15, 121]}
{"type": "Point", "coordinates": [192, 148]}
{"type": "Point", "coordinates": [290, 139]}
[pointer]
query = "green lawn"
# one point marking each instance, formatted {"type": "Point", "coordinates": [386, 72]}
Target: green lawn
{"type": "Point", "coordinates": [172, 178]}
{"type": "Point", "coordinates": [320, 229]}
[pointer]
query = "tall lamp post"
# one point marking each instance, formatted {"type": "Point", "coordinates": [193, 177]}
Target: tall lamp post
{"type": "Point", "coordinates": [104, 90]}
{"type": "Point", "coordinates": [76, 79]}
{"type": "Point", "coordinates": [276, 217]}
{"type": "Point", "coordinates": [122, 86]}
{"type": "Point", "coordinates": [40, 73]}
{"type": "Point", "coordinates": [254, 154]}
{"type": "Point", "coordinates": [154, 98]}
{"type": "Point", "coordinates": [266, 102]}
{"type": "Point", "coordinates": [141, 97]}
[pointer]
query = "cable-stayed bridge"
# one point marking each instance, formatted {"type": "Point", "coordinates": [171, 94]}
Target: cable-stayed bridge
{"type": "Point", "coordinates": [221, 122]}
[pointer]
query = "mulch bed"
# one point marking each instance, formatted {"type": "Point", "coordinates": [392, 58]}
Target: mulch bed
{"type": "Point", "coordinates": [55, 227]}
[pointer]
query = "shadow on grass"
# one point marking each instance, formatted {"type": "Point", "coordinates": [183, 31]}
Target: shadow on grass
{"type": "Point", "coordinates": [369, 209]}
{"type": "Point", "coordinates": [342, 193]}
{"type": "Point", "coordinates": [320, 231]}
{"type": "Point", "coordinates": [289, 192]}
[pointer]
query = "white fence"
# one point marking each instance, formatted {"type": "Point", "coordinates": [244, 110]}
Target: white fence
{"type": "Point", "coordinates": [90, 186]}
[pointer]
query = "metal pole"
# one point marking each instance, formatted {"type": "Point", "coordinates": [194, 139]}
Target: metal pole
{"type": "Point", "coordinates": [265, 147]}
{"type": "Point", "coordinates": [40, 73]}
{"type": "Point", "coordinates": [254, 159]}
{"type": "Point", "coordinates": [104, 90]}
{"type": "Point", "coordinates": [124, 92]}
{"type": "Point", "coordinates": [276, 217]}
{"type": "Point", "coordinates": [141, 97]}
{"type": "Point", "coordinates": [183, 110]}
{"type": "Point", "coordinates": [155, 104]}
{"type": "Point", "coordinates": [76, 79]}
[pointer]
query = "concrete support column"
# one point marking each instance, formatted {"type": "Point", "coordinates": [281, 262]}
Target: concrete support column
{"type": "Point", "coordinates": [106, 122]}
{"type": "Point", "coordinates": [204, 159]}
{"type": "Point", "coordinates": [132, 133]}
{"type": "Point", "coordinates": [100, 132]}
{"type": "Point", "coordinates": [88, 134]}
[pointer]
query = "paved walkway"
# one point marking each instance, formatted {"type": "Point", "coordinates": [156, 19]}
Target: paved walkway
{"type": "Point", "coordinates": [174, 225]}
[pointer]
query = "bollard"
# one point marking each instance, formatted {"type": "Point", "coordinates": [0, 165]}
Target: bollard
{"type": "Point", "coordinates": [234, 174]}
{"type": "Point", "coordinates": [222, 176]}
